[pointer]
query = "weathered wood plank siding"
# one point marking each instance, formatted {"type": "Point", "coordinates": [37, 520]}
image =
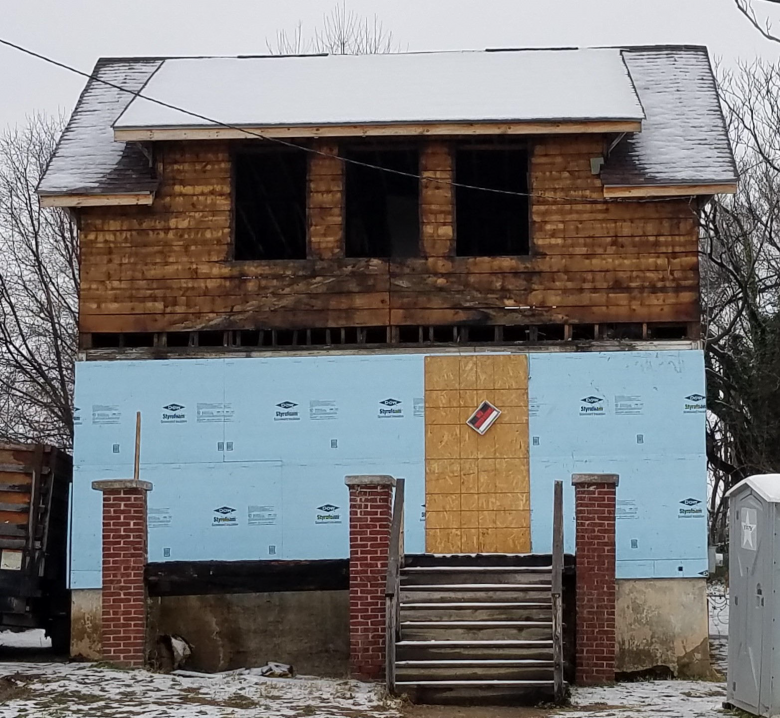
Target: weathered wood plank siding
{"type": "Point", "coordinates": [167, 267]}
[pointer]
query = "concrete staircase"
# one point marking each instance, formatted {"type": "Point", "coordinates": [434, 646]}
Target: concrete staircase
{"type": "Point", "coordinates": [475, 628]}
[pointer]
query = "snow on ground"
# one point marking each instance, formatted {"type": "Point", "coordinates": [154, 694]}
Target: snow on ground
{"type": "Point", "coordinates": [86, 690]}
{"type": "Point", "coordinates": [91, 690]}
{"type": "Point", "coordinates": [35, 638]}
{"type": "Point", "coordinates": [675, 699]}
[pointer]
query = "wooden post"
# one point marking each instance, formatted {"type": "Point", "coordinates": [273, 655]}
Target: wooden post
{"type": "Point", "coordinates": [137, 463]}
{"type": "Point", "coordinates": [557, 591]}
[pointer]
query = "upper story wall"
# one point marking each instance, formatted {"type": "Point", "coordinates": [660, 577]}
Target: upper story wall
{"type": "Point", "coordinates": [168, 267]}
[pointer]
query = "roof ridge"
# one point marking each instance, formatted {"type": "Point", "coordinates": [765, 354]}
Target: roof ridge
{"type": "Point", "coordinates": [551, 48]}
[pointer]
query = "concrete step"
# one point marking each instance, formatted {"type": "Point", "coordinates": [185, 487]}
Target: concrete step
{"type": "Point", "coordinates": [447, 575]}
{"type": "Point", "coordinates": [444, 650]}
{"type": "Point", "coordinates": [475, 630]}
{"type": "Point", "coordinates": [473, 611]}
{"type": "Point", "coordinates": [470, 670]}
{"type": "Point", "coordinates": [475, 593]}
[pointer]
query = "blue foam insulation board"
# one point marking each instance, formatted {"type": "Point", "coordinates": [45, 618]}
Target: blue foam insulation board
{"type": "Point", "coordinates": [248, 456]}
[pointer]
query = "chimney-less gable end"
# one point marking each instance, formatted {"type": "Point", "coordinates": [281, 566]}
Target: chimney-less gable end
{"type": "Point", "coordinates": [660, 101]}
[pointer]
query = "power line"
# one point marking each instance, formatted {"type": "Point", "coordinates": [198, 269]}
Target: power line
{"type": "Point", "coordinates": [312, 150]}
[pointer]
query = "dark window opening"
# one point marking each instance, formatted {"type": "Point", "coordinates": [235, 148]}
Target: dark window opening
{"type": "Point", "coordinates": [382, 208]}
{"type": "Point", "coordinates": [270, 205]}
{"type": "Point", "coordinates": [491, 223]}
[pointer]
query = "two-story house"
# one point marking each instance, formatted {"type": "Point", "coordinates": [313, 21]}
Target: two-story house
{"type": "Point", "coordinates": [301, 268]}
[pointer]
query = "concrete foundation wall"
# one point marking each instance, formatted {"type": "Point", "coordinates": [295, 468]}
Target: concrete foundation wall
{"type": "Point", "coordinates": [662, 623]}
{"type": "Point", "coordinates": [308, 629]}
{"type": "Point", "coordinates": [86, 624]}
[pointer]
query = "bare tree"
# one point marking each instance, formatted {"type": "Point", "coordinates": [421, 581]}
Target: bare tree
{"type": "Point", "coordinates": [39, 284]}
{"type": "Point", "coordinates": [741, 292]}
{"type": "Point", "coordinates": [765, 28]}
{"type": "Point", "coordinates": [342, 32]}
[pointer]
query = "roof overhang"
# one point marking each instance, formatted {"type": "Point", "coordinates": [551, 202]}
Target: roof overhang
{"type": "Point", "coordinates": [683, 190]}
{"type": "Point", "coordinates": [149, 134]}
{"type": "Point", "coordinates": [96, 200]}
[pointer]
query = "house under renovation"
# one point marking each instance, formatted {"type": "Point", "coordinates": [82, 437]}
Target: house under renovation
{"type": "Point", "coordinates": [473, 271]}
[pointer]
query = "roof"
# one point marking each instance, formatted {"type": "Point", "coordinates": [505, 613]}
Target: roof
{"type": "Point", "coordinates": [767, 486]}
{"type": "Point", "coordinates": [527, 85]}
{"type": "Point", "coordinates": [668, 91]}
{"type": "Point", "coordinates": [87, 159]}
{"type": "Point", "coordinates": [683, 138]}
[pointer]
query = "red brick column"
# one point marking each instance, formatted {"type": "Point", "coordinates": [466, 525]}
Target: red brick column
{"type": "Point", "coordinates": [595, 559]}
{"type": "Point", "coordinates": [370, 516]}
{"type": "Point", "coordinates": [124, 558]}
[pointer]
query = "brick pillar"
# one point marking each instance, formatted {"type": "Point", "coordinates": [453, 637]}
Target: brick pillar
{"type": "Point", "coordinates": [124, 558]}
{"type": "Point", "coordinates": [595, 559]}
{"type": "Point", "coordinates": [370, 516]}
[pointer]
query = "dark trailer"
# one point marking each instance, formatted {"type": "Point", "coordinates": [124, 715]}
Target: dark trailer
{"type": "Point", "coordinates": [34, 487]}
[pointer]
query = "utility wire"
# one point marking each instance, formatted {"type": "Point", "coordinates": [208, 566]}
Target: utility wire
{"type": "Point", "coordinates": [312, 150]}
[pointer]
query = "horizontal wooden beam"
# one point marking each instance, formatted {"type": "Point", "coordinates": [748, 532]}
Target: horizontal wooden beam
{"type": "Point", "coordinates": [376, 130]}
{"type": "Point", "coordinates": [197, 578]}
{"type": "Point", "coordinates": [96, 200]}
{"type": "Point", "coordinates": [615, 191]}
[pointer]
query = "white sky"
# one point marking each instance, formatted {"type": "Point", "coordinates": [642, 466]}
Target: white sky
{"type": "Point", "coordinates": [77, 32]}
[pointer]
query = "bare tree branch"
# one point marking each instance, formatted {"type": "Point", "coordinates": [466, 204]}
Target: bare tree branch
{"type": "Point", "coordinates": [746, 8]}
{"type": "Point", "coordinates": [39, 285]}
{"type": "Point", "coordinates": [341, 32]}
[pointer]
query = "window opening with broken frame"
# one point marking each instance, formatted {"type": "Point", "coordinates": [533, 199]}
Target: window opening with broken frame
{"type": "Point", "coordinates": [382, 208]}
{"type": "Point", "coordinates": [270, 204]}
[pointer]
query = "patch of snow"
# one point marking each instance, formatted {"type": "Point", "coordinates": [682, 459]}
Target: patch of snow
{"type": "Point", "coordinates": [675, 699]}
{"type": "Point", "coordinates": [472, 86]}
{"type": "Point", "coordinates": [82, 690]}
{"type": "Point", "coordinates": [683, 139]}
{"type": "Point", "coordinates": [33, 638]}
{"type": "Point", "coordinates": [87, 158]}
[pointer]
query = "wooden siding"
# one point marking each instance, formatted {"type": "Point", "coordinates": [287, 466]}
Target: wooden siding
{"type": "Point", "coordinates": [167, 267]}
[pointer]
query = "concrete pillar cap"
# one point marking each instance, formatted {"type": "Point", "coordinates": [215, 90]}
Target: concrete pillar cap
{"type": "Point", "coordinates": [121, 485]}
{"type": "Point", "coordinates": [608, 479]}
{"type": "Point", "coordinates": [369, 480]}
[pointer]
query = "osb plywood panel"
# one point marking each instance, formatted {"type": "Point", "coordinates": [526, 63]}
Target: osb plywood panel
{"type": "Point", "coordinates": [167, 267]}
{"type": "Point", "coordinates": [476, 487]}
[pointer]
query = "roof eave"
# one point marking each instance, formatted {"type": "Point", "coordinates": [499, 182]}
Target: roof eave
{"type": "Point", "coordinates": [74, 200]}
{"type": "Point", "coordinates": [624, 191]}
{"type": "Point", "coordinates": [491, 127]}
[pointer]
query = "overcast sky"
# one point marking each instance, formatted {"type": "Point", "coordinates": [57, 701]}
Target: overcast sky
{"type": "Point", "coordinates": [77, 32]}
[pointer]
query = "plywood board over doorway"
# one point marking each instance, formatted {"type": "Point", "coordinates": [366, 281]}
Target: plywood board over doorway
{"type": "Point", "coordinates": [476, 487]}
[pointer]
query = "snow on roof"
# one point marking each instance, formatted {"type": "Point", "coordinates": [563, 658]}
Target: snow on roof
{"type": "Point", "coordinates": [524, 85]}
{"type": "Point", "coordinates": [767, 486]}
{"type": "Point", "coordinates": [684, 139]}
{"type": "Point", "coordinates": [87, 159]}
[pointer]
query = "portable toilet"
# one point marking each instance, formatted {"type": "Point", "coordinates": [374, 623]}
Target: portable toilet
{"type": "Point", "coordinates": [754, 606]}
